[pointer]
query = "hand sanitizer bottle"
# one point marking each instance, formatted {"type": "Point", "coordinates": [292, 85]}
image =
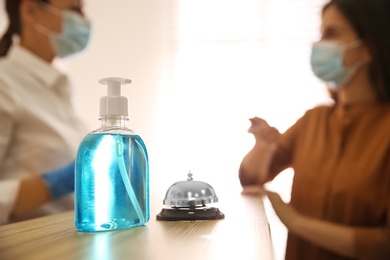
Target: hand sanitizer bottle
{"type": "Point", "coordinates": [112, 170]}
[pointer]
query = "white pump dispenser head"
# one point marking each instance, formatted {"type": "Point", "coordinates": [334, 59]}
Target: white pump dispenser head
{"type": "Point", "coordinates": [114, 104]}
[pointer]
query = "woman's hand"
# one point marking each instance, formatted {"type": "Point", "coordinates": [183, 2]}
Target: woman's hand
{"type": "Point", "coordinates": [335, 237]}
{"type": "Point", "coordinates": [264, 134]}
{"type": "Point", "coordinates": [286, 213]}
{"type": "Point", "coordinates": [254, 168]}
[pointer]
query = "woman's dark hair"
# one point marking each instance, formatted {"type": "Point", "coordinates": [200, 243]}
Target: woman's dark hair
{"type": "Point", "coordinates": [371, 21]}
{"type": "Point", "coordinates": [14, 25]}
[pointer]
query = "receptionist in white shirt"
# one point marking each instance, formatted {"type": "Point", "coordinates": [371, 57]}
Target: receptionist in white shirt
{"type": "Point", "coordinates": [39, 129]}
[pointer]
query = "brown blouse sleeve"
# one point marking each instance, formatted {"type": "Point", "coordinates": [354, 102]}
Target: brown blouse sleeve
{"type": "Point", "coordinates": [284, 153]}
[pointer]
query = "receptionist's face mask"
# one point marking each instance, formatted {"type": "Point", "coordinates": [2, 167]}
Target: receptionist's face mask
{"type": "Point", "coordinates": [74, 35]}
{"type": "Point", "coordinates": [327, 62]}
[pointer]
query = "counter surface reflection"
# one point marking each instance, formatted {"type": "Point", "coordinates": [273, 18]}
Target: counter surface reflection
{"type": "Point", "coordinates": [243, 234]}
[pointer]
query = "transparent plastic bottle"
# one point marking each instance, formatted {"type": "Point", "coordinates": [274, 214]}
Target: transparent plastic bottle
{"type": "Point", "coordinates": [112, 170]}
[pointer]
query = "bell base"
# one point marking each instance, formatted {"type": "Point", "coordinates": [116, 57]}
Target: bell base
{"type": "Point", "coordinates": [188, 214]}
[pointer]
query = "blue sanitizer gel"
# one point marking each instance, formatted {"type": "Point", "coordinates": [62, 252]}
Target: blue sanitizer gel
{"type": "Point", "coordinates": [103, 202]}
{"type": "Point", "coordinates": [112, 176]}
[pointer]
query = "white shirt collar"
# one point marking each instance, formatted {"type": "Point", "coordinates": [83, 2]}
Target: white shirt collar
{"type": "Point", "coordinates": [34, 65]}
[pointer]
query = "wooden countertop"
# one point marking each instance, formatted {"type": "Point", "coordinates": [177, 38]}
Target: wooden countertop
{"type": "Point", "coordinates": [243, 234]}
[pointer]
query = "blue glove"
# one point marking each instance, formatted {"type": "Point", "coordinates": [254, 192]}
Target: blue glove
{"type": "Point", "coordinates": [60, 182]}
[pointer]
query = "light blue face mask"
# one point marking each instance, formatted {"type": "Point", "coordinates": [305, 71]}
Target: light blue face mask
{"type": "Point", "coordinates": [327, 62]}
{"type": "Point", "coordinates": [74, 36]}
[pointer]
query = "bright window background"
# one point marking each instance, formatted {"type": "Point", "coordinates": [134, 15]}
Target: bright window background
{"type": "Point", "coordinates": [234, 59]}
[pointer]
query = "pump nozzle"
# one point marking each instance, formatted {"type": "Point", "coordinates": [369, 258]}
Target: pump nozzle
{"type": "Point", "coordinates": [114, 104]}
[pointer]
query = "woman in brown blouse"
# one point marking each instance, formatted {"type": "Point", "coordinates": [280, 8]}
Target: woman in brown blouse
{"type": "Point", "coordinates": [340, 200]}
